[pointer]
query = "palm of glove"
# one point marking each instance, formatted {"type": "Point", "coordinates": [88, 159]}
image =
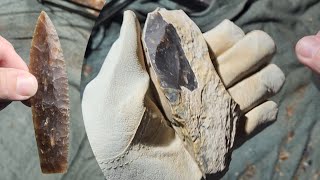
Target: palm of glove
{"type": "Point", "coordinates": [129, 134]}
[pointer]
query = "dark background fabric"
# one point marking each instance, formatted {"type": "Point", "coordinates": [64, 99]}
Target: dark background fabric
{"type": "Point", "coordinates": [289, 148]}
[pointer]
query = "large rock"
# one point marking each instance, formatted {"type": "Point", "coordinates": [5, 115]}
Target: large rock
{"type": "Point", "coordinates": [190, 91]}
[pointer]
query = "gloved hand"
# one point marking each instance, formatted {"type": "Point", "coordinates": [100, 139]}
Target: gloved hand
{"type": "Point", "coordinates": [130, 136]}
{"type": "Point", "coordinates": [243, 63]}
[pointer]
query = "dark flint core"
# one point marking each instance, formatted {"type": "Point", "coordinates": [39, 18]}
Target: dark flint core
{"type": "Point", "coordinates": [166, 54]}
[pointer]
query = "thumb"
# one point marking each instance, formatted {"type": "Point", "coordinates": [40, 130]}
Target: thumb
{"type": "Point", "coordinates": [16, 85]}
{"type": "Point", "coordinates": [113, 102]}
{"type": "Point", "coordinates": [308, 51]}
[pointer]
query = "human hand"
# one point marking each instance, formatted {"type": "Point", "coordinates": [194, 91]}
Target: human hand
{"type": "Point", "coordinates": [16, 83]}
{"type": "Point", "coordinates": [128, 133]}
{"type": "Point", "coordinates": [308, 52]}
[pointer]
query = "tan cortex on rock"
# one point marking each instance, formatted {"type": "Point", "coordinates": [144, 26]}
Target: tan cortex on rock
{"type": "Point", "coordinates": [50, 105]}
{"type": "Point", "coordinates": [189, 89]}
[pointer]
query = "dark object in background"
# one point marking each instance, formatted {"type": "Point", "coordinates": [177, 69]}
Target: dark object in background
{"type": "Point", "coordinates": [111, 9]}
{"type": "Point", "coordinates": [50, 105]}
{"type": "Point", "coordinates": [86, 8]}
{"type": "Point", "coordinates": [92, 8]}
{"type": "Point", "coordinates": [196, 5]}
{"type": "Point", "coordinates": [117, 6]}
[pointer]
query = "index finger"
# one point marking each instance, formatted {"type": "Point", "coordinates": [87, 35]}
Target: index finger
{"type": "Point", "coordinates": [9, 57]}
{"type": "Point", "coordinates": [223, 37]}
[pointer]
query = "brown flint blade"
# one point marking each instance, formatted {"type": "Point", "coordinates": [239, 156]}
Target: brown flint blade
{"type": "Point", "coordinates": [50, 105]}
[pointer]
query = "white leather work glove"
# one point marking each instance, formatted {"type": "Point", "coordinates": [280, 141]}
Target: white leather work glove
{"type": "Point", "coordinates": [128, 133]}
{"type": "Point", "coordinates": [243, 63]}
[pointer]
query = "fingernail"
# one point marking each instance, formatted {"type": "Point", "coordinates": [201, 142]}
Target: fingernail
{"type": "Point", "coordinates": [26, 85]}
{"type": "Point", "coordinates": [308, 47]}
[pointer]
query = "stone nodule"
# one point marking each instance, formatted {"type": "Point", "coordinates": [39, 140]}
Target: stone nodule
{"type": "Point", "coordinates": [190, 91]}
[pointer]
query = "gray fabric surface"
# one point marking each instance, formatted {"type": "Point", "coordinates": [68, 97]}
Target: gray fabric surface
{"type": "Point", "coordinates": [290, 147]}
{"type": "Point", "coordinates": [18, 152]}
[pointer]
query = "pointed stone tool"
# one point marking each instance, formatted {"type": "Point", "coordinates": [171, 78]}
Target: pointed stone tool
{"type": "Point", "coordinates": [50, 105]}
{"type": "Point", "coordinates": [189, 89]}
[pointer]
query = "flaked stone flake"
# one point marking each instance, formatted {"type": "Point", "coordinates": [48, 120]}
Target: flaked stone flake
{"type": "Point", "coordinates": [167, 56]}
{"type": "Point", "coordinates": [190, 91]}
{"type": "Point", "coordinates": [50, 105]}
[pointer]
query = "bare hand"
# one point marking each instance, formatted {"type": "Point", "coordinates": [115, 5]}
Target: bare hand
{"type": "Point", "coordinates": [16, 83]}
{"type": "Point", "coordinates": [308, 52]}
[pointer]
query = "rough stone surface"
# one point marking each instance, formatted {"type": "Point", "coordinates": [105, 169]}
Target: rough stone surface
{"type": "Point", "coordinates": [190, 91]}
{"type": "Point", "coordinates": [50, 105]}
